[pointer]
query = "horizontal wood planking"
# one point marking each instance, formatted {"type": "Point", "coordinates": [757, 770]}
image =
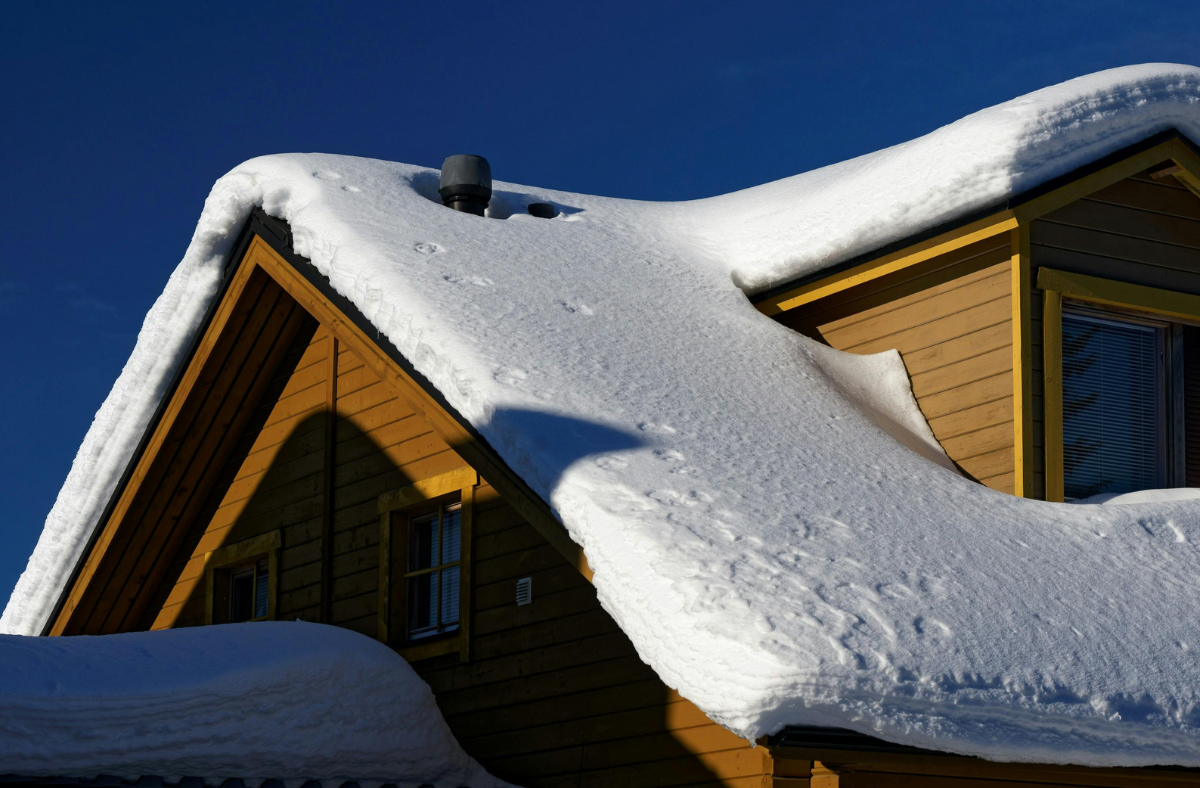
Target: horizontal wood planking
{"type": "Point", "coordinates": [953, 328]}
{"type": "Point", "coordinates": [381, 445]}
{"type": "Point", "coordinates": [910, 314]}
{"type": "Point", "coordinates": [1141, 230]}
{"type": "Point", "coordinates": [930, 277]}
{"type": "Point", "coordinates": [173, 461]}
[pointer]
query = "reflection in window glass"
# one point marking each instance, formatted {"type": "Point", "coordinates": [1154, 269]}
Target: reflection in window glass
{"type": "Point", "coordinates": [432, 572]}
{"type": "Point", "coordinates": [249, 587]}
{"type": "Point", "coordinates": [1113, 406]}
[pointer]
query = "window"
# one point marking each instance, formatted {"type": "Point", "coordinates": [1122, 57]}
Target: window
{"type": "Point", "coordinates": [425, 566]}
{"type": "Point", "coordinates": [248, 591]}
{"type": "Point", "coordinates": [1114, 404]}
{"type": "Point", "coordinates": [1121, 376]}
{"type": "Point", "coordinates": [432, 577]}
{"type": "Point", "coordinates": [241, 580]}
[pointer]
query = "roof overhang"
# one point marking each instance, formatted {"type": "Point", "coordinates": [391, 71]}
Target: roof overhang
{"type": "Point", "coordinates": [1003, 217]}
{"type": "Point", "coordinates": [265, 244]}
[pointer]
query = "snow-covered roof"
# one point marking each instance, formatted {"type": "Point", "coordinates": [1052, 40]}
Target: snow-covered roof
{"type": "Point", "coordinates": [769, 520]}
{"type": "Point", "coordinates": [271, 700]}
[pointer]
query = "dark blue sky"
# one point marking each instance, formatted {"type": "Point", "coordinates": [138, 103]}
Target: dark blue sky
{"type": "Point", "coordinates": [117, 120]}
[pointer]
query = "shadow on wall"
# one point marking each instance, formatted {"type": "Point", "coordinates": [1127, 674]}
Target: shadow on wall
{"type": "Point", "coordinates": [554, 692]}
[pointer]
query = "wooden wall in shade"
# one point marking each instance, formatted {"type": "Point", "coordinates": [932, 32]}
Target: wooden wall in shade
{"type": "Point", "coordinates": [554, 693]}
{"type": "Point", "coordinates": [1142, 230]}
{"type": "Point", "coordinates": [951, 320]}
{"type": "Point", "coordinates": [864, 768]}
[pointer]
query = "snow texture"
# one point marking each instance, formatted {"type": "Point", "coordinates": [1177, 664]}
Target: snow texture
{"type": "Point", "coordinates": [761, 512]}
{"type": "Point", "coordinates": [1144, 496]}
{"type": "Point", "coordinates": [291, 701]}
{"type": "Point", "coordinates": [773, 233]}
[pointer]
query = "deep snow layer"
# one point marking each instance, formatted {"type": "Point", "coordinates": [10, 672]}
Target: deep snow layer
{"type": "Point", "coordinates": [292, 701]}
{"type": "Point", "coordinates": [754, 525]}
{"type": "Point", "coordinates": [779, 231]}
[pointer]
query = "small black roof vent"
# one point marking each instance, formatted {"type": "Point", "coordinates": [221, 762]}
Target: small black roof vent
{"type": "Point", "coordinates": [466, 183]}
{"type": "Point", "coordinates": [542, 210]}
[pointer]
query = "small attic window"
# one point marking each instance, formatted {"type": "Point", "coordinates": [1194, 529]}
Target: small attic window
{"type": "Point", "coordinates": [248, 591]}
{"type": "Point", "coordinates": [242, 580]}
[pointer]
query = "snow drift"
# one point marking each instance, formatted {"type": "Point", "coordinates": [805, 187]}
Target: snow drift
{"type": "Point", "coordinates": [756, 507]}
{"type": "Point", "coordinates": [290, 701]}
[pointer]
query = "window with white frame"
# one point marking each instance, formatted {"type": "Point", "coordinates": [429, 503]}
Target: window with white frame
{"type": "Point", "coordinates": [432, 575]}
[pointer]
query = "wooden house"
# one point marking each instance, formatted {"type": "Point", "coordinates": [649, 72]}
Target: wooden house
{"type": "Point", "coordinates": [990, 317]}
{"type": "Point", "coordinates": [301, 469]}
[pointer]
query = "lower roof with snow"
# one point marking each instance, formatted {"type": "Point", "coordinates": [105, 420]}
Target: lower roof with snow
{"type": "Point", "coordinates": [272, 700]}
{"type": "Point", "coordinates": [769, 520]}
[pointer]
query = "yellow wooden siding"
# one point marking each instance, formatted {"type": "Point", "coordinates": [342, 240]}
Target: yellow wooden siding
{"type": "Point", "coordinates": [381, 445]}
{"type": "Point", "coordinates": [554, 693]}
{"type": "Point", "coordinates": [1140, 230]}
{"type": "Point", "coordinates": [951, 321]}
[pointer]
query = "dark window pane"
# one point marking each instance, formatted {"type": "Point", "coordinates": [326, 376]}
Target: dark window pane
{"type": "Point", "coordinates": [262, 582]}
{"type": "Point", "coordinates": [1113, 406]}
{"type": "Point", "coordinates": [423, 542]}
{"type": "Point", "coordinates": [422, 594]}
{"type": "Point", "coordinates": [451, 534]}
{"type": "Point", "coordinates": [450, 586]}
{"type": "Point", "coordinates": [241, 595]}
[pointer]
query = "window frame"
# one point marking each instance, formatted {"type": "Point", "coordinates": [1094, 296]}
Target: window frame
{"type": "Point", "coordinates": [1167, 426]}
{"type": "Point", "coordinates": [1119, 301]}
{"type": "Point", "coordinates": [396, 510]}
{"type": "Point", "coordinates": [221, 563]}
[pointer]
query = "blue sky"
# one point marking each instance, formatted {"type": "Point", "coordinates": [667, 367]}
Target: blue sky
{"type": "Point", "coordinates": [117, 120]}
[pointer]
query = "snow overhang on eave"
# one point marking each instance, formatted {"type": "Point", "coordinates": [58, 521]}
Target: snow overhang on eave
{"type": "Point", "coordinates": [1012, 207]}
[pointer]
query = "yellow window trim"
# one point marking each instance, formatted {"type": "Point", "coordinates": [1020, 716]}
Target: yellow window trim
{"type": "Point", "coordinates": [426, 489]}
{"type": "Point", "coordinates": [1057, 285]}
{"type": "Point", "coordinates": [391, 506]}
{"type": "Point", "coordinates": [897, 261]}
{"type": "Point", "coordinates": [1093, 289]}
{"type": "Point", "coordinates": [268, 544]}
{"type": "Point", "coordinates": [1022, 349]}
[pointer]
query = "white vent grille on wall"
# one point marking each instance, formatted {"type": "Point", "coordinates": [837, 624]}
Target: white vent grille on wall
{"type": "Point", "coordinates": [524, 590]}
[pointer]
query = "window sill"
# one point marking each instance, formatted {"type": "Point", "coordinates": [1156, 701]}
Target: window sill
{"type": "Point", "coordinates": [434, 647]}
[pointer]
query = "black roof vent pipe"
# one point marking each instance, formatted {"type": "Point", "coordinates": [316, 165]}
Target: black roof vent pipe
{"type": "Point", "coordinates": [466, 183]}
